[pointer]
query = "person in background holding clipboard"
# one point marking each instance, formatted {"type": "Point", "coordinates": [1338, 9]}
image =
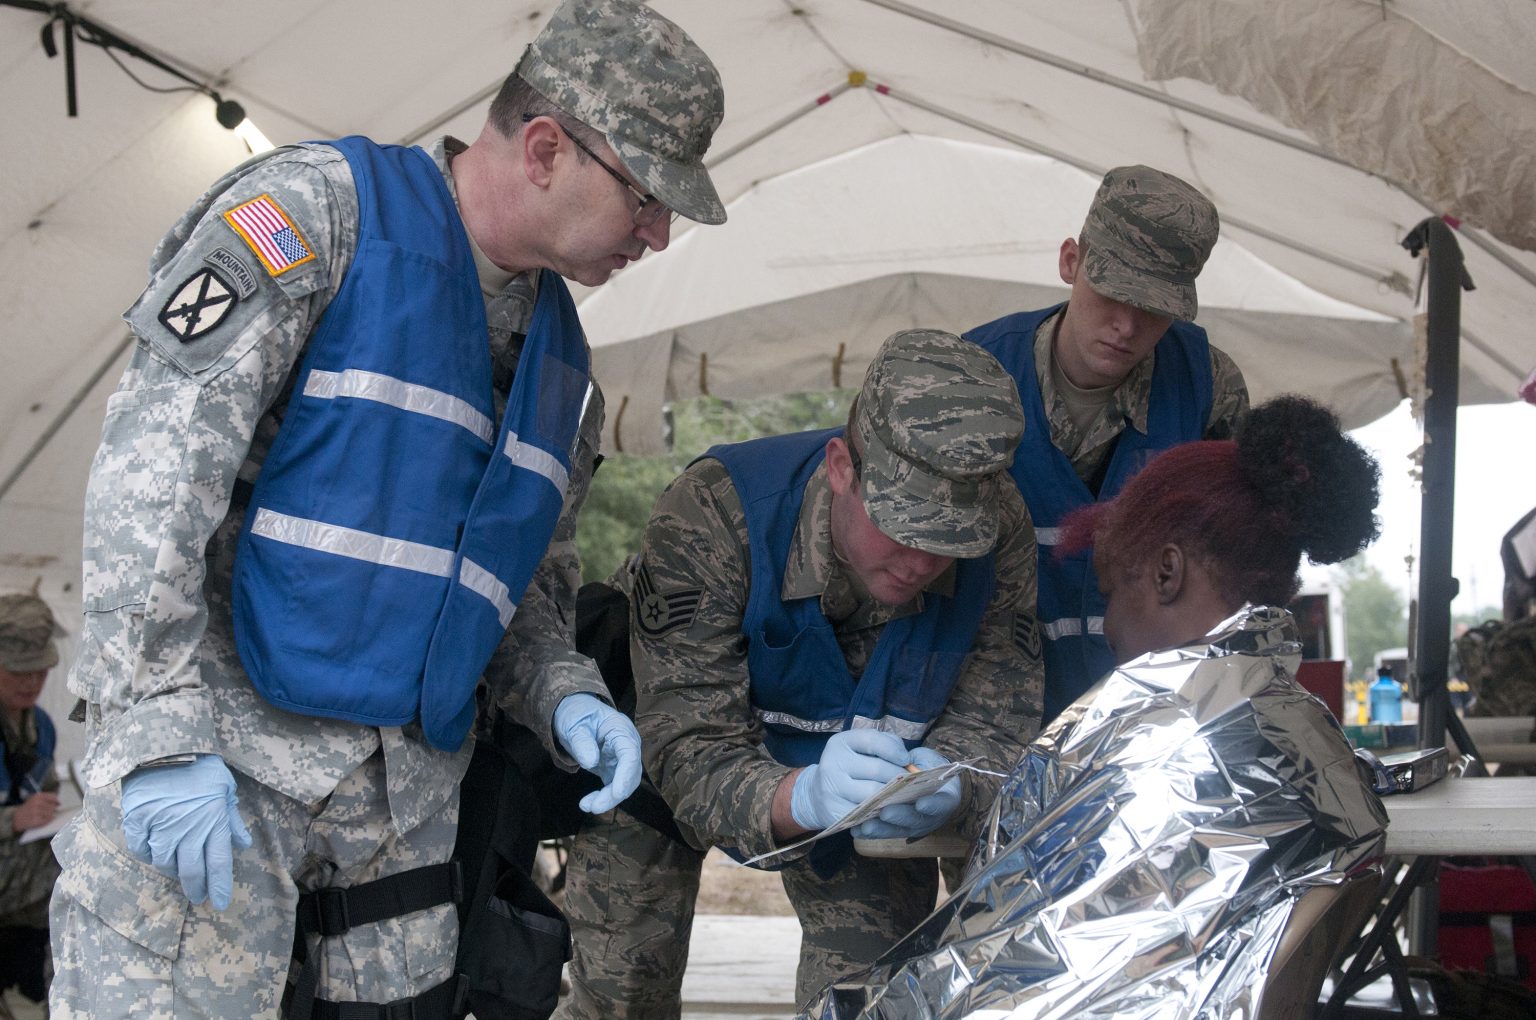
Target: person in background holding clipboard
{"type": "Point", "coordinates": [29, 796]}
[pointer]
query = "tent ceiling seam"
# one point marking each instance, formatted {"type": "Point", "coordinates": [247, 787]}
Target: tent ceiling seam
{"type": "Point", "coordinates": [1515, 373]}
{"type": "Point", "coordinates": [852, 79]}
{"type": "Point", "coordinates": [431, 127]}
{"type": "Point", "coordinates": [780, 124]}
{"type": "Point", "coordinates": [1483, 241]}
{"type": "Point", "coordinates": [1095, 75]}
{"type": "Point", "coordinates": [803, 16]}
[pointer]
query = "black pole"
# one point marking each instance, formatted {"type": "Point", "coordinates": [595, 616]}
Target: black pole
{"type": "Point", "coordinates": [1441, 381]}
{"type": "Point", "coordinates": [1432, 642]}
{"type": "Point", "coordinates": [70, 99]}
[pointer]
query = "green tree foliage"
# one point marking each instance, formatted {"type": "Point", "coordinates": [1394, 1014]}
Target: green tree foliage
{"type": "Point", "coordinates": [1375, 613]}
{"type": "Point", "coordinates": [616, 510]}
{"type": "Point", "coordinates": [625, 487]}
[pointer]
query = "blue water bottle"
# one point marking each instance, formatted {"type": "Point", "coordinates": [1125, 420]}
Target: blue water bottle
{"type": "Point", "coordinates": [1386, 698]}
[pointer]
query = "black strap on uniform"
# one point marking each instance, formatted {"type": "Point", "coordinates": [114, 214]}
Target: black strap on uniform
{"type": "Point", "coordinates": [332, 912]}
{"type": "Point", "coordinates": [439, 1003]}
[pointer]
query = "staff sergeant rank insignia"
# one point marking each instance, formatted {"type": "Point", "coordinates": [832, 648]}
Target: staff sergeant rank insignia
{"type": "Point", "coordinates": [1026, 634]}
{"type": "Point", "coordinates": [658, 613]}
{"type": "Point", "coordinates": [202, 302]}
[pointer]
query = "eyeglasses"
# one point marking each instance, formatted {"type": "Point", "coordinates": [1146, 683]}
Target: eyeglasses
{"type": "Point", "coordinates": [651, 208]}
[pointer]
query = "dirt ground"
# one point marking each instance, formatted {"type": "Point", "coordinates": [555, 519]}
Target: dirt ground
{"type": "Point", "coordinates": [728, 888]}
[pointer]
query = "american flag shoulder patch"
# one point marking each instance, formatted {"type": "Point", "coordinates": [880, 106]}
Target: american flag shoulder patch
{"type": "Point", "coordinates": [262, 224]}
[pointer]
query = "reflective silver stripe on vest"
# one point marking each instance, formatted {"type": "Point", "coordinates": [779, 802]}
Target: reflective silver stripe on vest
{"type": "Point", "coordinates": [797, 723]}
{"type": "Point", "coordinates": [357, 545]}
{"type": "Point", "coordinates": [1047, 536]}
{"type": "Point", "coordinates": [531, 458]}
{"type": "Point", "coordinates": [903, 728]}
{"type": "Point", "coordinates": [384, 389]}
{"type": "Point", "coordinates": [906, 729]}
{"type": "Point", "coordinates": [489, 587]}
{"type": "Point", "coordinates": [1071, 627]}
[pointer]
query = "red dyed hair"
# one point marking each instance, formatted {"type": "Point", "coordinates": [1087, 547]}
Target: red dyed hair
{"type": "Point", "coordinates": [1246, 510]}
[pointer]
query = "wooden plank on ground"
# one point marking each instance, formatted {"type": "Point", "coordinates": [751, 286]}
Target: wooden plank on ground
{"type": "Point", "coordinates": [741, 967]}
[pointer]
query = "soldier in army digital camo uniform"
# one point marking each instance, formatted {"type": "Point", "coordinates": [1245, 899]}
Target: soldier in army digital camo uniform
{"type": "Point", "coordinates": [811, 613]}
{"type": "Point", "coordinates": [312, 359]}
{"type": "Point", "coordinates": [1107, 380]}
{"type": "Point", "coordinates": [28, 792]}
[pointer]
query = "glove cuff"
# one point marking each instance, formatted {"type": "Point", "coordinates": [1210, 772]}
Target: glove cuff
{"type": "Point", "coordinates": [800, 807]}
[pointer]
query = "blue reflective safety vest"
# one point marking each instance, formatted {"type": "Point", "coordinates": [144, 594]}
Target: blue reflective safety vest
{"type": "Point", "coordinates": [801, 688]}
{"type": "Point", "coordinates": [47, 739]}
{"type": "Point", "coordinates": [1071, 609]}
{"type": "Point", "coordinates": [394, 529]}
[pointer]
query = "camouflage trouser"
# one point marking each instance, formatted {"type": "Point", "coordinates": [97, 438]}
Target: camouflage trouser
{"type": "Point", "coordinates": [630, 897]}
{"type": "Point", "coordinates": [848, 920]}
{"type": "Point", "coordinates": [127, 943]}
{"type": "Point", "coordinates": [629, 893]}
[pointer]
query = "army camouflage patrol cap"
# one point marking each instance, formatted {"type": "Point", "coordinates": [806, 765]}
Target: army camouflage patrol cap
{"type": "Point", "coordinates": [1148, 235]}
{"type": "Point", "coordinates": [626, 71]}
{"type": "Point", "coordinates": [27, 630]}
{"type": "Point", "coordinates": [936, 426]}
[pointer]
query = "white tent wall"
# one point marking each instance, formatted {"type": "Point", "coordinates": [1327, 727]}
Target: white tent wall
{"type": "Point", "coordinates": [85, 200]}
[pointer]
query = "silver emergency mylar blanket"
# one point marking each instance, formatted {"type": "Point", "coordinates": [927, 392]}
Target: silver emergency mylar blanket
{"type": "Point", "coordinates": [1143, 857]}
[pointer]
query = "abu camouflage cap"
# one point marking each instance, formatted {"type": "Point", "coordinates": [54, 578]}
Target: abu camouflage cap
{"type": "Point", "coordinates": [27, 630]}
{"type": "Point", "coordinates": [626, 71]}
{"type": "Point", "coordinates": [1148, 235]}
{"type": "Point", "coordinates": [936, 427]}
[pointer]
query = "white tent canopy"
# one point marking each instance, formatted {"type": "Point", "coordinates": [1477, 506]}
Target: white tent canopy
{"type": "Point", "coordinates": [821, 264]}
{"type": "Point", "coordinates": [1359, 119]}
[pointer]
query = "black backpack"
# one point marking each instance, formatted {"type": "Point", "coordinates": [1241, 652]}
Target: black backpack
{"type": "Point", "coordinates": [513, 940]}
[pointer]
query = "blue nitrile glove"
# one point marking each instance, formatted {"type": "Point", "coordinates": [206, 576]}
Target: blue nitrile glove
{"type": "Point", "coordinates": [603, 741]}
{"type": "Point", "coordinates": [854, 765]}
{"type": "Point", "coordinates": [184, 820]}
{"type": "Point", "coordinates": [922, 816]}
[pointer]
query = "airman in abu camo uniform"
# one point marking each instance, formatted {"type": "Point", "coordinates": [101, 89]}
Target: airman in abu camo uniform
{"type": "Point", "coordinates": [812, 613]}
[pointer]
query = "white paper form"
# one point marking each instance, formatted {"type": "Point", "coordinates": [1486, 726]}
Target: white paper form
{"type": "Point", "coordinates": [904, 789]}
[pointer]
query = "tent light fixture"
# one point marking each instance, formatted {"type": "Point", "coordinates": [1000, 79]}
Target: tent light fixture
{"type": "Point", "coordinates": [227, 112]}
{"type": "Point", "coordinates": [77, 26]}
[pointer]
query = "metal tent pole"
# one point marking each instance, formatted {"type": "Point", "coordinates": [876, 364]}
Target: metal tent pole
{"type": "Point", "coordinates": [1447, 276]}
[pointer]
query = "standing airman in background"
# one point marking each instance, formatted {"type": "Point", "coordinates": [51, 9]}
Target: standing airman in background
{"type": "Point", "coordinates": [1108, 380]}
